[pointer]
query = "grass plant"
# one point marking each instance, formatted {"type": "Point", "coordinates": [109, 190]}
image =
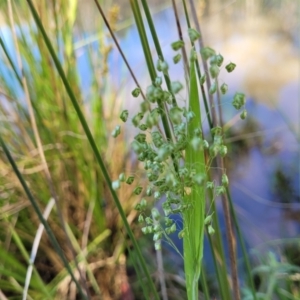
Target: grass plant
{"type": "Point", "coordinates": [57, 141]}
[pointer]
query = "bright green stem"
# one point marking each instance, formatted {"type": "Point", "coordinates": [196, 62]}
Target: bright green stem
{"type": "Point", "coordinates": [157, 47]}
{"type": "Point", "coordinates": [193, 218]}
{"type": "Point", "coordinates": [148, 57]}
{"type": "Point", "coordinates": [92, 143]}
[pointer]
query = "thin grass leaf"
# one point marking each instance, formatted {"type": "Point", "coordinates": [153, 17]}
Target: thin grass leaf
{"type": "Point", "coordinates": [148, 57]}
{"type": "Point", "coordinates": [194, 217]}
{"type": "Point", "coordinates": [157, 47]}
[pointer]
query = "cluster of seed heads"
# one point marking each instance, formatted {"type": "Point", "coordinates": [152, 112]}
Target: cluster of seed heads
{"type": "Point", "coordinates": [169, 178]}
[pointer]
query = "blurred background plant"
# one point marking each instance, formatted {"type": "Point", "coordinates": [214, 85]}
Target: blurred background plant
{"type": "Point", "coordinates": [48, 144]}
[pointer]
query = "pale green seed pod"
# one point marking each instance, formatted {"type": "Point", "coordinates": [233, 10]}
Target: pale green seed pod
{"type": "Point", "coordinates": [158, 93]}
{"type": "Point", "coordinates": [152, 176]}
{"type": "Point", "coordinates": [199, 179]}
{"type": "Point", "coordinates": [190, 115]}
{"type": "Point", "coordinates": [196, 143]}
{"type": "Point", "coordinates": [157, 236]}
{"type": "Point", "coordinates": [124, 115]}
{"type": "Point", "coordinates": [142, 156]}
{"type": "Point", "coordinates": [211, 230]}
{"type": "Point", "coordinates": [213, 88]}
{"type": "Point", "coordinates": [170, 178]}
{"type": "Point", "coordinates": [193, 55]}
{"type": "Point", "coordinates": [116, 131]}
{"type": "Point", "coordinates": [157, 195]}
{"type": "Point", "coordinates": [116, 185]}
{"type": "Point", "coordinates": [198, 132]}
{"type": "Point", "coordinates": [158, 81]}
{"type": "Point", "coordinates": [243, 115]}
{"type": "Point", "coordinates": [220, 190]}
{"type": "Point", "coordinates": [205, 144]}
{"type": "Point", "coordinates": [150, 93]}
{"type": "Point", "coordinates": [210, 185]}
{"type": "Point", "coordinates": [217, 130]}
{"type": "Point", "coordinates": [130, 179]}
{"type": "Point", "coordinates": [148, 165]}
{"type": "Point", "coordinates": [141, 219]}
{"type": "Point", "coordinates": [214, 71]}
{"type": "Point", "coordinates": [230, 67]}
{"type": "Point", "coordinates": [137, 147]}
{"type": "Point", "coordinates": [150, 229]}
{"type": "Point", "coordinates": [223, 150]}
{"type": "Point", "coordinates": [151, 120]}
{"type": "Point", "coordinates": [224, 88]}
{"type": "Point", "coordinates": [156, 227]}
{"type": "Point", "coordinates": [207, 220]}
{"type": "Point", "coordinates": [218, 140]}
{"type": "Point", "coordinates": [143, 203]}
{"type": "Point", "coordinates": [181, 234]}
{"type": "Point", "coordinates": [183, 172]}
{"type": "Point", "coordinates": [175, 114]}
{"type": "Point", "coordinates": [177, 58]}
{"type": "Point", "coordinates": [176, 86]}
{"type": "Point", "coordinates": [149, 191]}
{"type": "Point", "coordinates": [213, 60]}
{"type": "Point", "coordinates": [144, 230]}
{"type": "Point", "coordinates": [173, 228]}
{"type": "Point", "coordinates": [194, 34]}
{"type": "Point", "coordinates": [177, 45]}
{"type": "Point", "coordinates": [157, 245]}
{"type": "Point", "coordinates": [207, 52]}
{"type": "Point", "coordinates": [167, 211]}
{"type": "Point", "coordinates": [220, 60]}
{"type": "Point", "coordinates": [225, 180]}
{"type": "Point", "coordinates": [158, 65]}
{"type": "Point", "coordinates": [141, 137]}
{"type": "Point", "coordinates": [159, 182]}
{"type": "Point", "coordinates": [122, 177]}
{"type": "Point", "coordinates": [137, 190]}
{"type": "Point", "coordinates": [163, 154]}
{"type": "Point", "coordinates": [239, 100]}
{"type": "Point", "coordinates": [148, 220]}
{"type": "Point", "coordinates": [168, 230]}
{"type": "Point", "coordinates": [167, 97]}
{"type": "Point", "coordinates": [168, 222]}
{"type": "Point", "coordinates": [145, 105]}
{"type": "Point", "coordinates": [137, 118]}
{"type": "Point", "coordinates": [143, 127]}
{"type": "Point", "coordinates": [214, 150]}
{"type": "Point", "coordinates": [162, 66]}
{"type": "Point", "coordinates": [136, 92]}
